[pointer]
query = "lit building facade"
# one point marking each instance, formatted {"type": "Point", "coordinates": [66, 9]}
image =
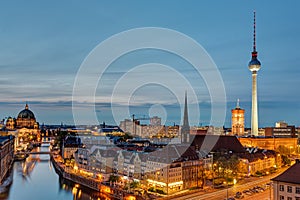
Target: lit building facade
{"type": "Point", "coordinates": [238, 120]}
{"type": "Point", "coordinates": [26, 119]}
{"type": "Point", "coordinates": [288, 132]}
{"type": "Point", "coordinates": [286, 186]}
{"type": "Point", "coordinates": [6, 155]}
{"type": "Point", "coordinates": [26, 127]}
{"type": "Point", "coordinates": [270, 143]}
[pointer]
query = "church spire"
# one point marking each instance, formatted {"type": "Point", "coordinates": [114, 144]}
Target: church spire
{"type": "Point", "coordinates": [185, 129]}
{"type": "Point", "coordinates": [186, 115]}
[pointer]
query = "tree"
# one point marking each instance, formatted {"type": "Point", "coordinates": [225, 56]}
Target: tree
{"type": "Point", "coordinates": [134, 184]}
{"type": "Point", "coordinates": [228, 164]}
{"type": "Point", "coordinates": [114, 178]}
{"type": "Point", "coordinates": [285, 160]}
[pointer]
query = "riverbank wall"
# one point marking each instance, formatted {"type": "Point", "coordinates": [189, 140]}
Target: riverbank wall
{"type": "Point", "coordinates": [65, 173]}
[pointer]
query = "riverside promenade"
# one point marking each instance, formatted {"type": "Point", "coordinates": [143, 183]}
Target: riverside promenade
{"type": "Point", "coordinates": [90, 182]}
{"type": "Point", "coordinates": [70, 175]}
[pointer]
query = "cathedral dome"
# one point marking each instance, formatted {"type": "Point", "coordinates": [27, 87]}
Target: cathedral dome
{"type": "Point", "coordinates": [26, 114]}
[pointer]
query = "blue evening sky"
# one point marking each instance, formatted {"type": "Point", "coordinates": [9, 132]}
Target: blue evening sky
{"type": "Point", "coordinates": [43, 43]}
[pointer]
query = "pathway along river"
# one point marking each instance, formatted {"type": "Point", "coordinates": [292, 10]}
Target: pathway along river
{"type": "Point", "coordinates": [36, 179]}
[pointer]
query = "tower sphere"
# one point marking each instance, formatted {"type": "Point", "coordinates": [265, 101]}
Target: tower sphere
{"type": "Point", "coordinates": [254, 64]}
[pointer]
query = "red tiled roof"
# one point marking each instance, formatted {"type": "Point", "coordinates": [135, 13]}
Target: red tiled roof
{"type": "Point", "coordinates": [218, 143]}
{"type": "Point", "coordinates": [291, 175]}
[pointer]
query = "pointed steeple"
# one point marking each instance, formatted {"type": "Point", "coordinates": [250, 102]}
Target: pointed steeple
{"type": "Point", "coordinates": [186, 114]}
{"type": "Point", "coordinates": [185, 130]}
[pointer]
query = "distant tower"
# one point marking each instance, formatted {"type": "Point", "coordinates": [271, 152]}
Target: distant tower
{"type": "Point", "coordinates": [185, 130]}
{"type": "Point", "coordinates": [238, 120]}
{"type": "Point", "coordinates": [254, 66]}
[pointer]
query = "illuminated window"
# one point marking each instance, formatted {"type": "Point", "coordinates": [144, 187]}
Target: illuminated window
{"type": "Point", "coordinates": [289, 189]}
{"type": "Point", "coordinates": [281, 188]}
{"type": "Point", "coordinates": [281, 197]}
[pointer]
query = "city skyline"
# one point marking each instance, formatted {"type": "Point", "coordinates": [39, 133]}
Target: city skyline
{"type": "Point", "coordinates": [43, 47]}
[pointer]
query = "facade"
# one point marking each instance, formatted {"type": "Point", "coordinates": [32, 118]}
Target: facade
{"type": "Point", "coordinates": [70, 145]}
{"type": "Point", "coordinates": [282, 131]}
{"type": "Point", "coordinates": [26, 127]}
{"type": "Point", "coordinates": [6, 155]}
{"type": "Point", "coordinates": [143, 131]}
{"type": "Point", "coordinates": [290, 144]}
{"type": "Point", "coordinates": [176, 168]}
{"type": "Point", "coordinates": [206, 130]}
{"type": "Point", "coordinates": [254, 66]}
{"type": "Point", "coordinates": [257, 160]}
{"type": "Point", "coordinates": [286, 186]}
{"type": "Point", "coordinates": [155, 121]}
{"type": "Point", "coordinates": [173, 131]}
{"type": "Point", "coordinates": [238, 120]}
{"type": "Point", "coordinates": [26, 119]}
{"type": "Point", "coordinates": [10, 123]}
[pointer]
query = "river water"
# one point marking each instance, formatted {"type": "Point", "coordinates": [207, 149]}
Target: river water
{"type": "Point", "coordinates": [36, 179]}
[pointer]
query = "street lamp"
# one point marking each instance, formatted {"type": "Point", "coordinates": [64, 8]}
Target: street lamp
{"type": "Point", "coordinates": [226, 182]}
{"type": "Point", "coordinates": [213, 169]}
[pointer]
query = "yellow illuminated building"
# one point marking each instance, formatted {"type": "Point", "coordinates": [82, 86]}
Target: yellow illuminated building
{"type": "Point", "coordinates": [238, 120]}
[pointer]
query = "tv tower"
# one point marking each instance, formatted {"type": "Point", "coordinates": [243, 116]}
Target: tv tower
{"type": "Point", "coordinates": [254, 66]}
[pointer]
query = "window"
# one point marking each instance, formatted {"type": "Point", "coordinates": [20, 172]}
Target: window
{"type": "Point", "coordinates": [281, 187]}
{"type": "Point", "coordinates": [290, 198]}
{"type": "Point", "coordinates": [281, 197]}
{"type": "Point", "coordinates": [289, 189]}
{"type": "Point", "coordinates": [297, 190]}
{"type": "Point", "coordinates": [297, 198]}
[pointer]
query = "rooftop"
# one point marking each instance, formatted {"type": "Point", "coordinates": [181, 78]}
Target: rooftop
{"type": "Point", "coordinates": [291, 175]}
{"type": "Point", "coordinates": [218, 143]}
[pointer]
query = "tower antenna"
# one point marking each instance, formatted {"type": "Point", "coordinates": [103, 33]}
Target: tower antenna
{"type": "Point", "coordinates": [254, 52]}
{"type": "Point", "coordinates": [254, 31]}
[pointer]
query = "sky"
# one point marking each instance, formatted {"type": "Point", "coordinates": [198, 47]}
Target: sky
{"type": "Point", "coordinates": [44, 44]}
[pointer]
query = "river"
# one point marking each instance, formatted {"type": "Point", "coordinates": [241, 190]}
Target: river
{"type": "Point", "coordinates": [36, 179]}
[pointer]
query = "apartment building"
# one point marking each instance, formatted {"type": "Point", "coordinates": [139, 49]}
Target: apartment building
{"type": "Point", "coordinates": [286, 186]}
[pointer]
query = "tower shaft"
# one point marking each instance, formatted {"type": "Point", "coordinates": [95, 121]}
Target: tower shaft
{"type": "Point", "coordinates": [254, 113]}
{"type": "Point", "coordinates": [254, 66]}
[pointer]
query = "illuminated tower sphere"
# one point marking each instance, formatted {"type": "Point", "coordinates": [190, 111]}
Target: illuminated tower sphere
{"type": "Point", "coordinates": [254, 66]}
{"type": "Point", "coordinates": [238, 120]}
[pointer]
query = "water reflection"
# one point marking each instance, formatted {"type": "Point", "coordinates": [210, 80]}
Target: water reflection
{"type": "Point", "coordinates": [79, 192]}
{"type": "Point", "coordinates": [35, 178]}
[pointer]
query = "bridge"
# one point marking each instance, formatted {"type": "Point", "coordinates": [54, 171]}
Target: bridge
{"type": "Point", "coordinates": [39, 152]}
{"type": "Point", "coordinates": [34, 153]}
